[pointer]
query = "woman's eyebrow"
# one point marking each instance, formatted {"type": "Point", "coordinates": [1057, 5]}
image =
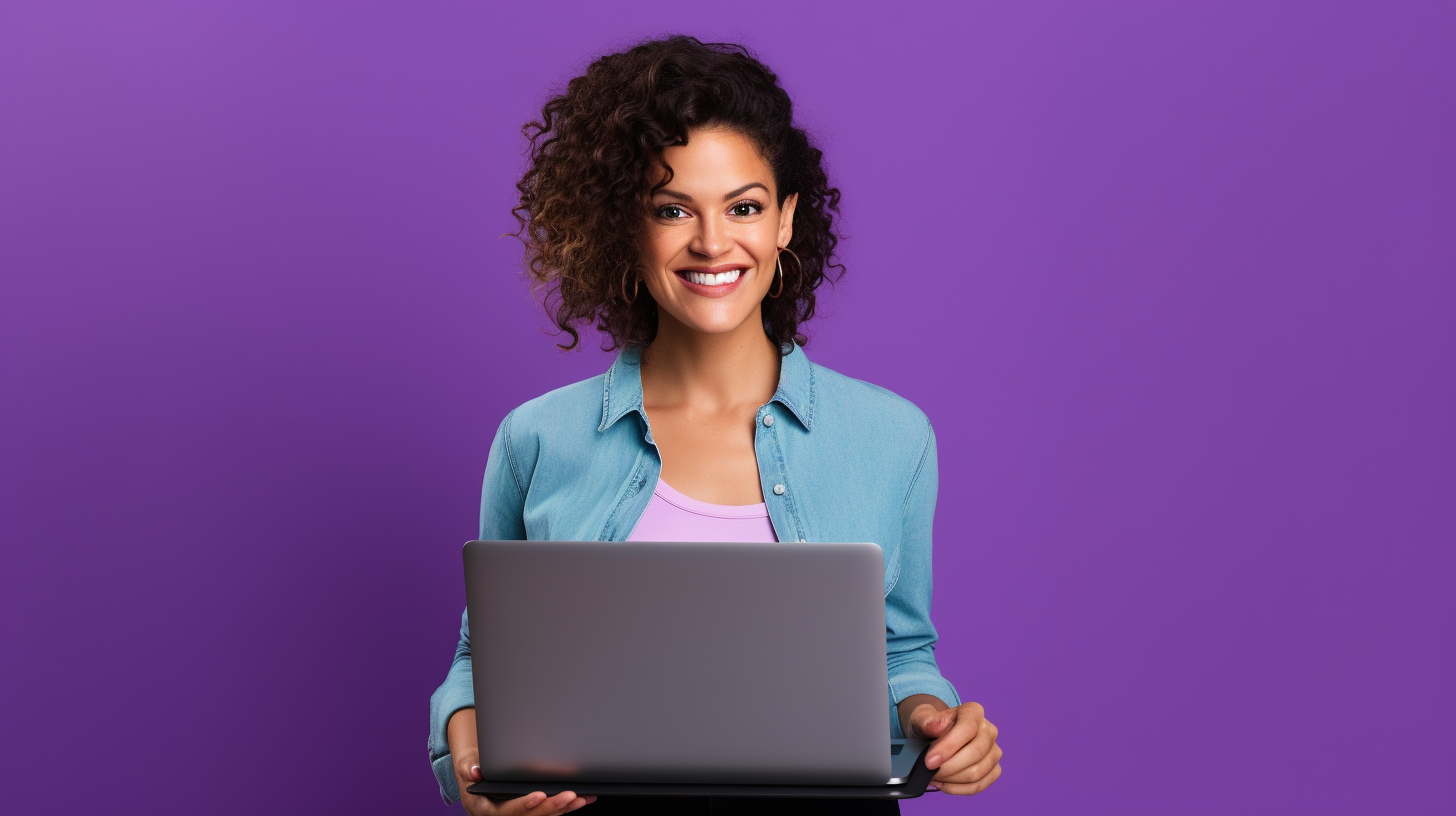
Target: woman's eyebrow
{"type": "Point", "coordinates": [685, 197]}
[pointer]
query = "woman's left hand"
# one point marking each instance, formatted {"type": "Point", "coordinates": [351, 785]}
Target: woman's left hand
{"type": "Point", "coordinates": [964, 753]}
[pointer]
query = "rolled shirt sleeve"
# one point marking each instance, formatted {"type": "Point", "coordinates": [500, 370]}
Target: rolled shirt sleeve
{"type": "Point", "coordinates": [910, 637]}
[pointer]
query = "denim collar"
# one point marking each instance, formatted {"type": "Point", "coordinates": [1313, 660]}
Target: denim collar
{"type": "Point", "coordinates": [622, 387]}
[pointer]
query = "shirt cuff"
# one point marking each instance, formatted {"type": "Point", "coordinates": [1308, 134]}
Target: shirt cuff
{"type": "Point", "coordinates": [449, 698]}
{"type": "Point", "coordinates": [918, 683]}
{"type": "Point", "coordinates": [445, 774]}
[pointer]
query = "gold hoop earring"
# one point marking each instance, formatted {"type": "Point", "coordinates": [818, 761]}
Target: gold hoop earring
{"type": "Point", "coordinates": [636, 288]}
{"type": "Point", "coordinates": [779, 265]}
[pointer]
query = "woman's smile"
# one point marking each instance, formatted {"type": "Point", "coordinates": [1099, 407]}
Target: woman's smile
{"type": "Point", "coordinates": [712, 281]}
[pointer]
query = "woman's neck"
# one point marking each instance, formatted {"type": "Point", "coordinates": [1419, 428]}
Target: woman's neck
{"type": "Point", "coordinates": [709, 371]}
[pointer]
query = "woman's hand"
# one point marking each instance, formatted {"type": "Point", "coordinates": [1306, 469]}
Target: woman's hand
{"type": "Point", "coordinates": [466, 753]}
{"type": "Point", "coordinates": [964, 753]}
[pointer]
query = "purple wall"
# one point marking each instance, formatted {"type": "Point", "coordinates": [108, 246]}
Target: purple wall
{"type": "Point", "coordinates": [1174, 281]}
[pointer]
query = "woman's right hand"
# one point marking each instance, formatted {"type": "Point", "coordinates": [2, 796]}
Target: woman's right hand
{"type": "Point", "coordinates": [466, 753]}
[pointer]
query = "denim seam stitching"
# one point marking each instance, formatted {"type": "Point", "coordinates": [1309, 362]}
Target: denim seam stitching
{"type": "Point", "coordinates": [511, 454]}
{"type": "Point", "coordinates": [606, 397]}
{"type": "Point", "coordinates": [810, 423]}
{"type": "Point", "coordinates": [905, 504]}
{"type": "Point", "coordinates": [919, 466]}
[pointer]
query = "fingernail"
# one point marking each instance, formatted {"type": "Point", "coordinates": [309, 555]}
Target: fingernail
{"type": "Point", "coordinates": [933, 761]}
{"type": "Point", "coordinates": [475, 769]}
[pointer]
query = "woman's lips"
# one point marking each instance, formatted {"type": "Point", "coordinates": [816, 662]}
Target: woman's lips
{"type": "Point", "coordinates": [706, 290]}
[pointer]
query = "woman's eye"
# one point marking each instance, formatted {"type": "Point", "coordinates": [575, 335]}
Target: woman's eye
{"type": "Point", "coordinates": [747, 208]}
{"type": "Point", "coordinates": [671, 211]}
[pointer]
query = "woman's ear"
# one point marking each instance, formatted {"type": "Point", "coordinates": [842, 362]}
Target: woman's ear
{"type": "Point", "coordinates": [786, 219]}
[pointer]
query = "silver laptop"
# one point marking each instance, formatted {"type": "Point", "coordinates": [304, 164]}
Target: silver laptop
{"type": "Point", "coordinates": [688, 663]}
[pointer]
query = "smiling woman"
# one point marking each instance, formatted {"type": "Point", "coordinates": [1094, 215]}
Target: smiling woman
{"type": "Point", "coordinates": [671, 200]}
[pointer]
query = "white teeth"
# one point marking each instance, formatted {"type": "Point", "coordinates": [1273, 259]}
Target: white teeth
{"type": "Point", "coordinates": [706, 279]}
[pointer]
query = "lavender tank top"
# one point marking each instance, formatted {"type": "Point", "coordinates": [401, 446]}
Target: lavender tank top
{"type": "Point", "coordinates": [671, 516]}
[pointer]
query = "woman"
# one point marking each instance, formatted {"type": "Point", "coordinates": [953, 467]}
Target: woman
{"type": "Point", "coordinates": [671, 200]}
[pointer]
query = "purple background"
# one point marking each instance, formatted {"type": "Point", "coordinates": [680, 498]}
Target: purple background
{"type": "Point", "coordinates": [1174, 281]}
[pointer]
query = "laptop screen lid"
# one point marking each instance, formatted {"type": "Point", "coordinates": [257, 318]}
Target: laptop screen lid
{"type": "Point", "coordinates": [692, 662]}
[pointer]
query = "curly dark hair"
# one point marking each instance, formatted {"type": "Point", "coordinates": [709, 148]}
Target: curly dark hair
{"type": "Point", "coordinates": [585, 195]}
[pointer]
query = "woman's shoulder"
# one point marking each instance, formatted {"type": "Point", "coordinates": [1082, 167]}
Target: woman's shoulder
{"type": "Point", "coordinates": [848, 399]}
{"type": "Point", "coordinates": [564, 410]}
{"type": "Point", "coordinates": [850, 413]}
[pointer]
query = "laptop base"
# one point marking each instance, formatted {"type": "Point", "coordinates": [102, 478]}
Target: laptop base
{"type": "Point", "coordinates": [913, 786]}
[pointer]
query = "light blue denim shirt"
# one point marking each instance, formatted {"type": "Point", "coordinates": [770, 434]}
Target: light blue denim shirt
{"type": "Point", "coordinates": [838, 459]}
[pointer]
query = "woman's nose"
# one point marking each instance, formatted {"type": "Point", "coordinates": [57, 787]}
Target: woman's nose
{"type": "Point", "coordinates": [711, 239]}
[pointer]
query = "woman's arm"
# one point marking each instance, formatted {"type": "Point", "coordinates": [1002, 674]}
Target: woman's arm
{"type": "Point", "coordinates": [454, 747]}
{"type": "Point", "coordinates": [455, 694]}
{"type": "Point", "coordinates": [502, 507]}
{"type": "Point", "coordinates": [909, 636]}
{"type": "Point", "coordinates": [963, 751]}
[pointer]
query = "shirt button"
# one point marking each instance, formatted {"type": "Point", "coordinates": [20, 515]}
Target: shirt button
{"type": "Point", "coordinates": [768, 420]}
{"type": "Point", "coordinates": [803, 541]}
{"type": "Point", "coordinates": [778, 490]}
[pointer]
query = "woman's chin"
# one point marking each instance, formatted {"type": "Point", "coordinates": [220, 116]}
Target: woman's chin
{"type": "Point", "coordinates": [719, 321]}
{"type": "Point", "coordinates": [713, 329]}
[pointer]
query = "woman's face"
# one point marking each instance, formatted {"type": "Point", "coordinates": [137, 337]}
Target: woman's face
{"type": "Point", "coordinates": [712, 235]}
